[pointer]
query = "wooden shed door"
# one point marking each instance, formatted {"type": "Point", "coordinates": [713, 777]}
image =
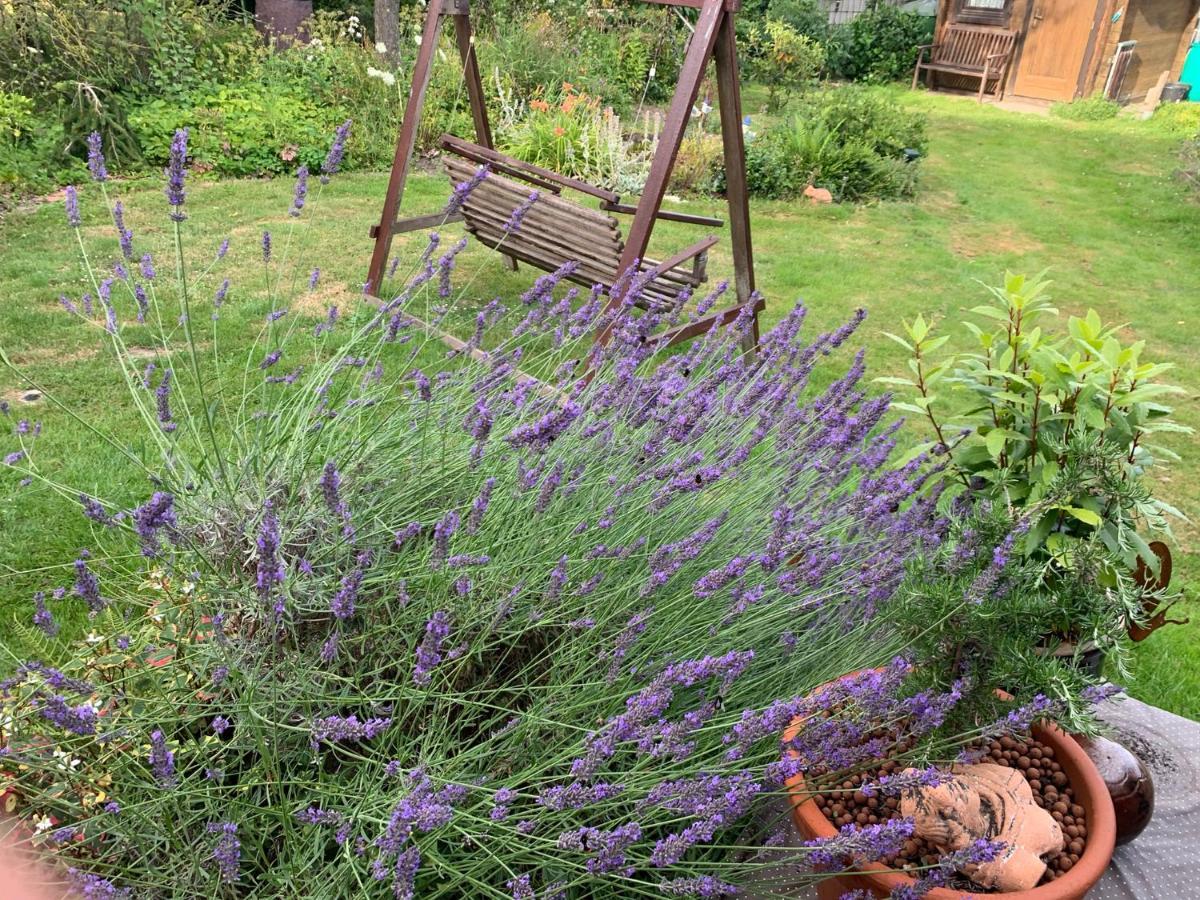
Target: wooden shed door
{"type": "Point", "coordinates": [1056, 40]}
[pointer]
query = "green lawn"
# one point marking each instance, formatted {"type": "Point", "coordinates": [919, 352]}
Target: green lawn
{"type": "Point", "coordinates": [1092, 202]}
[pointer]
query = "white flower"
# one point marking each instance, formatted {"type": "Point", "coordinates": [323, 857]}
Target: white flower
{"type": "Point", "coordinates": [418, 40]}
{"type": "Point", "coordinates": [93, 638]}
{"type": "Point", "coordinates": [705, 108]}
{"type": "Point", "coordinates": [380, 47]}
{"type": "Point", "coordinates": [652, 72]}
{"type": "Point", "coordinates": [42, 824]}
{"type": "Point", "coordinates": [316, 42]}
{"type": "Point", "coordinates": [389, 79]}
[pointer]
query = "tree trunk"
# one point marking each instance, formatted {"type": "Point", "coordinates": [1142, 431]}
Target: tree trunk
{"type": "Point", "coordinates": [387, 30]}
{"type": "Point", "coordinates": [282, 19]}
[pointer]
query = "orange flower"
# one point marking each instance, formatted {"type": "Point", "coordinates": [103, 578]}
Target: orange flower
{"type": "Point", "coordinates": [539, 105]}
{"type": "Point", "coordinates": [559, 132]}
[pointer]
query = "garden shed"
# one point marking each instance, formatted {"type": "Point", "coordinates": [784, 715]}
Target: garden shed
{"type": "Point", "coordinates": [1065, 49]}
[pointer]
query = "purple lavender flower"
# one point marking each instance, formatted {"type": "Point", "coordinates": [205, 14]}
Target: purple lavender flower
{"type": "Point", "coordinates": [175, 174]}
{"type": "Point", "coordinates": [520, 888]}
{"type": "Point", "coordinates": [124, 235]}
{"type": "Point", "coordinates": [227, 853]}
{"type": "Point", "coordinates": [266, 246]}
{"type": "Point", "coordinates": [464, 189]}
{"type": "Point", "coordinates": [429, 651]}
{"type": "Point", "coordinates": [87, 585]}
{"type": "Point", "coordinates": [220, 724]}
{"type": "Point", "coordinates": [154, 516]}
{"type": "Point", "coordinates": [11, 459]}
{"type": "Point", "coordinates": [223, 248]}
{"type": "Point", "coordinates": [143, 302]}
{"type": "Point", "coordinates": [856, 845]}
{"type": "Point", "coordinates": [698, 886]}
{"type": "Point", "coordinates": [71, 199]}
{"type": "Point", "coordinates": [443, 530]}
{"type": "Point", "coordinates": [147, 267]}
{"type": "Point", "coordinates": [80, 719]}
{"type": "Point", "coordinates": [162, 759]}
{"type": "Point", "coordinates": [333, 159]}
{"type": "Point", "coordinates": [335, 729]}
{"type": "Point", "coordinates": [162, 395]}
{"type": "Point", "coordinates": [93, 887]}
{"type": "Point", "coordinates": [329, 649]}
{"type": "Point", "coordinates": [270, 570]}
{"type": "Point", "coordinates": [301, 191]}
{"type": "Point", "coordinates": [95, 160]}
{"type": "Point", "coordinates": [518, 214]}
{"type": "Point", "coordinates": [42, 617]}
{"type": "Point", "coordinates": [313, 278]}
{"type": "Point", "coordinates": [112, 807]}
{"type": "Point", "coordinates": [276, 315]}
{"type": "Point", "coordinates": [270, 359]}
{"type": "Point", "coordinates": [479, 506]}
{"type": "Point", "coordinates": [606, 849]}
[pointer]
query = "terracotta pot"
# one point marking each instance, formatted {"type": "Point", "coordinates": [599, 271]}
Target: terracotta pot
{"type": "Point", "coordinates": [1090, 792]}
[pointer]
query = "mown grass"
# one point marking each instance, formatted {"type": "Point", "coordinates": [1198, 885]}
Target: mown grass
{"type": "Point", "coordinates": [1094, 203]}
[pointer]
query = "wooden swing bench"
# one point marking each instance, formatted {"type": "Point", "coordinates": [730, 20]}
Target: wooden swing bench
{"type": "Point", "coordinates": [558, 229]}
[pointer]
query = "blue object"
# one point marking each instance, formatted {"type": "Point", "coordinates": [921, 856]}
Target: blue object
{"type": "Point", "coordinates": [1191, 72]}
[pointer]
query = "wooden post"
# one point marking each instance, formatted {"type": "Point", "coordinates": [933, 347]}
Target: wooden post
{"type": "Point", "coordinates": [478, 102]}
{"type": "Point", "coordinates": [405, 144]}
{"type": "Point", "coordinates": [699, 51]}
{"type": "Point", "coordinates": [729, 97]}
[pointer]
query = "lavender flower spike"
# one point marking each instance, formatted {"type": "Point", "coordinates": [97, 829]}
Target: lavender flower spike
{"type": "Point", "coordinates": [301, 191]}
{"type": "Point", "coordinates": [71, 199]}
{"type": "Point", "coordinates": [175, 173]}
{"type": "Point", "coordinates": [95, 160]}
{"type": "Point", "coordinates": [333, 159]}
{"type": "Point", "coordinates": [463, 190]}
{"type": "Point", "coordinates": [227, 853]}
{"type": "Point", "coordinates": [162, 759]}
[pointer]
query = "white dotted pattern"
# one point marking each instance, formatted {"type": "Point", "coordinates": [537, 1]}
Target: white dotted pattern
{"type": "Point", "coordinates": [1161, 863]}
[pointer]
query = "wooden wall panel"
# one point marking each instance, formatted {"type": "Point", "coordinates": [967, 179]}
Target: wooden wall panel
{"type": "Point", "coordinates": [1159, 27]}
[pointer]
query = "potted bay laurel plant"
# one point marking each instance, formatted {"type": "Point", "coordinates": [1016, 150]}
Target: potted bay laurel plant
{"type": "Point", "coordinates": [1063, 427]}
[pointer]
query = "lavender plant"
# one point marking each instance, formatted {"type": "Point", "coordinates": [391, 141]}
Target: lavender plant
{"type": "Point", "coordinates": [397, 620]}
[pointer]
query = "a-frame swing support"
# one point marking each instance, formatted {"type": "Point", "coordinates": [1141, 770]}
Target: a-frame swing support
{"type": "Point", "coordinates": [712, 39]}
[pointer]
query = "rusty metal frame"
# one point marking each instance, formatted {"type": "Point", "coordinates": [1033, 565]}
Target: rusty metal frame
{"type": "Point", "coordinates": [713, 39]}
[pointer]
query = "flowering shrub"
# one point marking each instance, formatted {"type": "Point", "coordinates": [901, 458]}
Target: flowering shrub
{"type": "Point", "coordinates": [397, 620]}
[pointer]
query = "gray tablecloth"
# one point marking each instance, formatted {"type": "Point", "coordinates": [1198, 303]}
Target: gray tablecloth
{"type": "Point", "coordinates": [1163, 863]}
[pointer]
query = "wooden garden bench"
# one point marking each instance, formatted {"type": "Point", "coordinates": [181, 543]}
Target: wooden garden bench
{"type": "Point", "coordinates": [557, 230]}
{"type": "Point", "coordinates": [973, 51]}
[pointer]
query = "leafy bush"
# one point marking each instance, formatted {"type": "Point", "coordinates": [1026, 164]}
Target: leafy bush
{"type": "Point", "coordinates": [880, 45]}
{"type": "Point", "coordinates": [32, 154]}
{"type": "Point", "coordinates": [242, 130]}
{"type": "Point", "coordinates": [1189, 164]}
{"type": "Point", "coordinates": [1061, 429]}
{"type": "Point", "coordinates": [391, 616]}
{"type": "Point", "coordinates": [783, 59]}
{"type": "Point", "coordinates": [1182, 119]}
{"type": "Point", "coordinates": [849, 140]}
{"type": "Point", "coordinates": [1095, 108]}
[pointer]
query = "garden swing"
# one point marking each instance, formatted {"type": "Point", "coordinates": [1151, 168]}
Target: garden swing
{"type": "Point", "coordinates": [558, 229]}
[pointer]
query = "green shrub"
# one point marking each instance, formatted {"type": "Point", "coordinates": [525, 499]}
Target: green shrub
{"type": "Point", "coordinates": [32, 150]}
{"type": "Point", "coordinates": [867, 115]}
{"type": "Point", "coordinates": [783, 59]}
{"type": "Point", "coordinates": [850, 140]}
{"type": "Point", "coordinates": [1189, 164]}
{"type": "Point", "coordinates": [1182, 119]}
{"type": "Point", "coordinates": [240, 130]}
{"type": "Point", "coordinates": [878, 46]}
{"type": "Point", "coordinates": [1095, 108]}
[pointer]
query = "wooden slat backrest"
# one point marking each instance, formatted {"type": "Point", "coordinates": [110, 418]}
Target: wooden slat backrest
{"type": "Point", "coordinates": [969, 46]}
{"type": "Point", "coordinates": [554, 230]}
